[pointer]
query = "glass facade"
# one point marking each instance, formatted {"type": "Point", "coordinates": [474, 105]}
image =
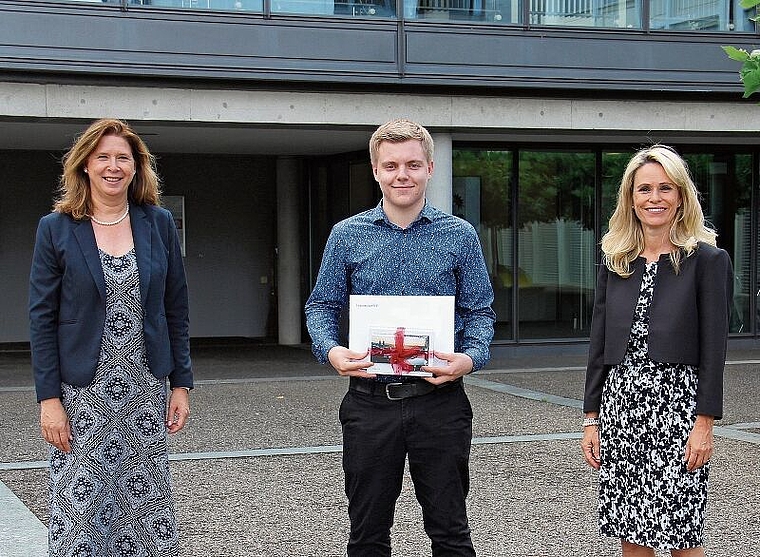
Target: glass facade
{"type": "Point", "coordinates": [725, 182]}
{"type": "Point", "coordinates": [482, 194]}
{"type": "Point", "coordinates": [490, 11]}
{"type": "Point", "coordinates": [556, 244]}
{"type": "Point", "coordinates": [667, 15]}
{"type": "Point", "coordinates": [222, 5]}
{"type": "Point", "coordinates": [700, 15]}
{"type": "Point", "coordinates": [542, 212]}
{"type": "Point", "coordinates": [587, 13]}
{"type": "Point", "coordinates": [543, 268]}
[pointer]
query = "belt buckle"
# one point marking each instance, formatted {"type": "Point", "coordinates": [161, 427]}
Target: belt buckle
{"type": "Point", "coordinates": [388, 392]}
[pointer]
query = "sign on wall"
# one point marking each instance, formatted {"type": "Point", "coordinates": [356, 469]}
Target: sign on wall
{"type": "Point", "coordinates": [176, 205]}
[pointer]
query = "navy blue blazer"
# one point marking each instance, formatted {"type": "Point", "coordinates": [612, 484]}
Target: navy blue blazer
{"type": "Point", "coordinates": [67, 300]}
{"type": "Point", "coordinates": [688, 322]}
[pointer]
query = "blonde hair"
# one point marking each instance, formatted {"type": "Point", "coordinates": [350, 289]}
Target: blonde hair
{"type": "Point", "coordinates": [624, 241]}
{"type": "Point", "coordinates": [75, 198]}
{"type": "Point", "coordinates": [398, 131]}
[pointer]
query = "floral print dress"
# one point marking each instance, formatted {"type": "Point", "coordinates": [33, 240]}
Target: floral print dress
{"type": "Point", "coordinates": [646, 495]}
{"type": "Point", "coordinates": [111, 495]}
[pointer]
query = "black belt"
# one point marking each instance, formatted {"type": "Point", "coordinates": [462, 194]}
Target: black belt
{"type": "Point", "coordinates": [398, 391]}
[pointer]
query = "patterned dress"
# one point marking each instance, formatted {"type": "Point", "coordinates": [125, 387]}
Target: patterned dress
{"type": "Point", "coordinates": [111, 495]}
{"type": "Point", "coordinates": [646, 495]}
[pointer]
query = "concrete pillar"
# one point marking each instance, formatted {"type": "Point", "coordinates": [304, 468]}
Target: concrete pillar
{"type": "Point", "coordinates": [288, 242]}
{"type": "Point", "coordinates": [439, 187]}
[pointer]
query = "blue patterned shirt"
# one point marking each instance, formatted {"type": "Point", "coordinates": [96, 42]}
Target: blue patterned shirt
{"type": "Point", "coordinates": [437, 255]}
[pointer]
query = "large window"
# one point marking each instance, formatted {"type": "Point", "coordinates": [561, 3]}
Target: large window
{"type": "Point", "coordinates": [673, 15]}
{"type": "Point", "coordinates": [543, 277]}
{"type": "Point", "coordinates": [613, 166]}
{"type": "Point", "coordinates": [725, 183]}
{"type": "Point", "coordinates": [482, 195]}
{"type": "Point", "coordinates": [536, 213]}
{"type": "Point", "coordinates": [587, 13]}
{"type": "Point", "coordinates": [700, 15]}
{"type": "Point", "coordinates": [556, 243]}
{"type": "Point", "coordinates": [489, 11]}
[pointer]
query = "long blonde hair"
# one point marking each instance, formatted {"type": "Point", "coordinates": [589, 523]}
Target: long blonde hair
{"type": "Point", "coordinates": [74, 185]}
{"type": "Point", "coordinates": [624, 241]}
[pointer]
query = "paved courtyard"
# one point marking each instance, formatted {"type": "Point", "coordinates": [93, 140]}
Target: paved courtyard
{"type": "Point", "coordinates": [258, 470]}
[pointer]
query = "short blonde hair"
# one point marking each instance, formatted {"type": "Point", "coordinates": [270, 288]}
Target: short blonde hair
{"type": "Point", "coordinates": [398, 131]}
{"type": "Point", "coordinates": [624, 241]}
{"type": "Point", "coordinates": [75, 198]}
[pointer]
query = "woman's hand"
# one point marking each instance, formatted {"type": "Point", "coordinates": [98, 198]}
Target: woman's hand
{"type": "Point", "coordinates": [699, 446]}
{"type": "Point", "coordinates": [179, 409]}
{"type": "Point", "coordinates": [54, 423]}
{"type": "Point", "coordinates": [590, 445]}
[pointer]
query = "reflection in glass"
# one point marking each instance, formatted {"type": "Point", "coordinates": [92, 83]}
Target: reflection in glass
{"type": "Point", "coordinates": [587, 13]}
{"type": "Point", "coordinates": [366, 8]}
{"type": "Point", "coordinates": [226, 5]}
{"type": "Point", "coordinates": [725, 183]}
{"type": "Point", "coordinates": [356, 8]}
{"type": "Point", "coordinates": [741, 19]}
{"type": "Point", "coordinates": [481, 195]}
{"type": "Point", "coordinates": [699, 15]}
{"type": "Point", "coordinates": [493, 11]}
{"type": "Point", "coordinates": [556, 244]}
{"type": "Point", "coordinates": [613, 167]}
{"type": "Point", "coordinates": [321, 7]}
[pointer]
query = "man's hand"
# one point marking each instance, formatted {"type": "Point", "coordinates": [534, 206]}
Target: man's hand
{"type": "Point", "coordinates": [54, 423]}
{"type": "Point", "coordinates": [458, 364]}
{"type": "Point", "coordinates": [349, 363]}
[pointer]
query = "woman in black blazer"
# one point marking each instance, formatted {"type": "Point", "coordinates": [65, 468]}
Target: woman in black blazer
{"type": "Point", "coordinates": [109, 323]}
{"type": "Point", "coordinates": [654, 381]}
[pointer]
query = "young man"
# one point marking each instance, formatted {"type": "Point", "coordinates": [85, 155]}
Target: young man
{"type": "Point", "coordinates": [405, 247]}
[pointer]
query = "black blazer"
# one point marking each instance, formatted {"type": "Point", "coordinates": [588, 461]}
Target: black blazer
{"type": "Point", "coordinates": [67, 296]}
{"type": "Point", "coordinates": [688, 322]}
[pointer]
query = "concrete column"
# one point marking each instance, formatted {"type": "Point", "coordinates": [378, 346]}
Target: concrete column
{"type": "Point", "coordinates": [439, 188]}
{"type": "Point", "coordinates": [288, 243]}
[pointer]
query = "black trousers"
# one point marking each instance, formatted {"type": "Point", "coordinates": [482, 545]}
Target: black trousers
{"type": "Point", "coordinates": [435, 432]}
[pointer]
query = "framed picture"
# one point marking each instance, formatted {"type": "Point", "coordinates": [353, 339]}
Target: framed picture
{"type": "Point", "coordinates": [176, 206]}
{"type": "Point", "coordinates": [401, 333]}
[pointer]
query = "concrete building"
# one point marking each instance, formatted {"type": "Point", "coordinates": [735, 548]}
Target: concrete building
{"type": "Point", "coordinates": [260, 112]}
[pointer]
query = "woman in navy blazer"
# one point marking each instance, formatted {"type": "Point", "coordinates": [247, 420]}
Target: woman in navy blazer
{"type": "Point", "coordinates": [109, 323]}
{"type": "Point", "coordinates": [654, 381]}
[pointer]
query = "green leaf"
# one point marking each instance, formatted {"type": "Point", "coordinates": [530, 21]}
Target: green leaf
{"type": "Point", "coordinates": [738, 54]}
{"type": "Point", "coordinates": [748, 4]}
{"type": "Point", "coordinates": [751, 80]}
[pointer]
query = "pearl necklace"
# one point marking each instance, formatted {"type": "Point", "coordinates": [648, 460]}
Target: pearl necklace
{"type": "Point", "coordinates": [113, 223]}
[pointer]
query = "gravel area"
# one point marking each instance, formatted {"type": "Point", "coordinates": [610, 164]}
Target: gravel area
{"type": "Point", "coordinates": [528, 498]}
